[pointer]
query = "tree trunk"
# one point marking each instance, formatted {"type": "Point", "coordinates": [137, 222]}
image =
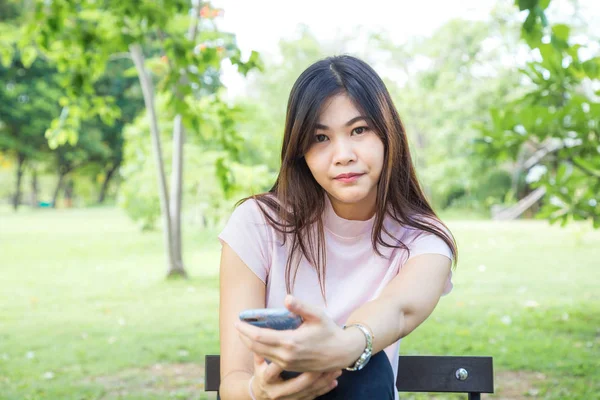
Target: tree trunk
{"type": "Point", "coordinates": [421, 142]}
{"type": "Point", "coordinates": [107, 179]}
{"type": "Point", "coordinates": [523, 205]}
{"type": "Point", "coordinates": [176, 190]}
{"type": "Point", "coordinates": [61, 179]}
{"type": "Point", "coordinates": [34, 188]}
{"type": "Point", "coordinates": [148, 92]}
{"type": "Point", "coordinates": [69, 187]}
{"type": "Point", "coordinates": [20, 167]}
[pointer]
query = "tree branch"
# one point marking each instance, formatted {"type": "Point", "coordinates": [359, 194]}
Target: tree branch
{"type": "Point", "coordinates": [119, 56]}
{"type": "Point", "coordinates": [193, 29]}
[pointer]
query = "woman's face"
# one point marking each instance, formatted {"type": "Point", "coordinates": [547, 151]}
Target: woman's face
{"type": "Point", "coordinates": [344, 144]}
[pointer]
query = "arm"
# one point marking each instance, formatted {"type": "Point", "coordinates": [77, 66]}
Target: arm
{"type": "Point", "coordinates": [321, 345]}
{"type": "Point", "coordinates": [402, 306]}
{"type": "Point", "coordinates": [240, 289]}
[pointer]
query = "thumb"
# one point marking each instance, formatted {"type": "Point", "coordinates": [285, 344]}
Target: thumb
{"type": "Point", "coordinates": [258, 360]}
{"type": "Point", "coordinates": [306, 311]}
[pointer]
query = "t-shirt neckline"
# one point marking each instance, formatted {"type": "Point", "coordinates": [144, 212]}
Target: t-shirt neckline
{"type": "Point", "coordinates": [342, 227]}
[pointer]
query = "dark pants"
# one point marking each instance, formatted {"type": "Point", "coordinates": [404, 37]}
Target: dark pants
{"type": "Point", "coordinates": [374, 381]}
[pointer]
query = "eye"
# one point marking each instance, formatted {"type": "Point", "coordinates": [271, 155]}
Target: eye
{"type": "Point", "coordinates": [320, 138]}
{"type": "Point", "coordinates": [360, 130]}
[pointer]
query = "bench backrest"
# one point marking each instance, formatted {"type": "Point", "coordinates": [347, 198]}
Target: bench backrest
{"type": "Point", "coordinates": [472, 375]}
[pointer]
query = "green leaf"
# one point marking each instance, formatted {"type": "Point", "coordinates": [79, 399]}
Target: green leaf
{"type": "Point", "coordinates": [130, 72]}
{"type": "Point", "coordinates": [529, 23]}
{"type": "Point", "coordinates": [573, 51]}
{"type": "Point", "coordinates": [526, 4]}
{"type": "Point", "coordinates": [6, 54]}
{"type": "Point", "coordinates": [592, 68]}
{"type": "Point", "coordinates": [224, 175]}
{"type": "Point", "coordinates": [563, 172]}
{"type": "Point", "coordinates": [543, 4]}
{"type": "Point", "coordinates": [549, 53]}
{"type": "Point", "coordinates": [592, 165]}
{"type": "Point", "coordinates": [561, 31]}
{"type": "Point", "coordinates": [28, 55]}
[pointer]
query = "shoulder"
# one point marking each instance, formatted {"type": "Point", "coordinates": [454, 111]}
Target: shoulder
{"type": "Point", "coordinates": [254, 211]}
{"type": "Point", "coordinates": [412, 231]}
{"type": "Point", "coordinates": [431, 222]}
{"type": "Point", "coordinates": [435, 239]}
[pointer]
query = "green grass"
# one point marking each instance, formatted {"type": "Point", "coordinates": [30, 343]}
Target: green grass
{"type": "Point", "coordinates": [85, 311]}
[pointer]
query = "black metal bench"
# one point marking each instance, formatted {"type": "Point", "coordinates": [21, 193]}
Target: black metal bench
{"type": "Point", "coordinates": [471, 375]}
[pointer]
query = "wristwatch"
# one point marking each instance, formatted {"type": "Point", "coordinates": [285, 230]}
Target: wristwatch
{"type": "Point", "coordinates": [366, 355]}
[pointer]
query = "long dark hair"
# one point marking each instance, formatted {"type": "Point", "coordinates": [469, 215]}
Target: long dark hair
{"type": "Point", "coordinates": [296, 199]}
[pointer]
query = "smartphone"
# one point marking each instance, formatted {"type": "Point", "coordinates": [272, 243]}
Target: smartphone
{"type": "Point", "coordinates": [280, 319]}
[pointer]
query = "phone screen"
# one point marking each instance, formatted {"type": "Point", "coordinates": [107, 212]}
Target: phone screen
{"type": "Point", "coordinates": [272, 318]}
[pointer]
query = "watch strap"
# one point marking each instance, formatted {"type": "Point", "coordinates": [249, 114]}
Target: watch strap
{"type": "Point", "coordinates": [366, 354]}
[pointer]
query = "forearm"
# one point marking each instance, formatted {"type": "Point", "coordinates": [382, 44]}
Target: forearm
{"type": "Point", "coordinates": [386, 322]}
{"type": "Point", "coordinates": [404, 303]}
{"type": "Point", "coordinates": [235, 386]}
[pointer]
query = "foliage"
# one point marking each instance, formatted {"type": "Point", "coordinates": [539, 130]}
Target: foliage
{"type": "Point", "coordinates": [206, 164]}
{"type": "Point", "coordinates": [443, 85]}
{"type": "Point", "coordinates": [268, 93]}
{"type": "Point", "coordinates": [34, 89]}
{"type": "Point", "coordinates": [25, 93]}
{"type": "Point", "coordinates": [557, 121]}
{"type": "Point", "coordinates": [83, 38]}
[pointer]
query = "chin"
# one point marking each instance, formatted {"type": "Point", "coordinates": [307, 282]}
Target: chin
{"type": "Point", "coordinates": [349, 197]}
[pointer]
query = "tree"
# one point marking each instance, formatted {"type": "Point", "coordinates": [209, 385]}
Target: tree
{"type": "Point", "coordinates": [553, 129]}
{"type": "Point", "coordinates": [444, 83]}
{"type": "Point", "coordinates": [83, 37]}
{"type": "Point", "coordinates": [26, 91]}
{"type": "Point", "coordinates": [206, 202]}
{"type": "Point", "coordinates": [124, 88]}
{"type": "Point", "coordinates": [89, 149]}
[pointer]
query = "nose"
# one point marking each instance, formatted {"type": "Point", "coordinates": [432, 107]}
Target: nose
{"type": "Point", "coordinates": [344, 152]}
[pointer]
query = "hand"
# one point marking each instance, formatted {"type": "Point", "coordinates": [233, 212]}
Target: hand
{"type": "Point", "coordinates": [267, 383]}
{"type": "Point", "coordinates": [319, 344]}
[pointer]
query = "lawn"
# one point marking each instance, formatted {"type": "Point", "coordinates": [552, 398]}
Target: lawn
{"type": "Point", "coordinates": [85, 311]}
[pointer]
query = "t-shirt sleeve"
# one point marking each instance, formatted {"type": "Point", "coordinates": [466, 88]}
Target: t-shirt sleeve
{"type": "Point", "coordinates": [247, 233]}
{"type": "Point", "coordinates": [428, 243]}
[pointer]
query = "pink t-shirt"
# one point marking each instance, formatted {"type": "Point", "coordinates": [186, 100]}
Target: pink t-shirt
{"type": "Point", "coordinates": [355, 274]}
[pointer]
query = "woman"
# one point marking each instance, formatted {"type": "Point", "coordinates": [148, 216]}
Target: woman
{"type": "Point", "coordinates": [345, 238]}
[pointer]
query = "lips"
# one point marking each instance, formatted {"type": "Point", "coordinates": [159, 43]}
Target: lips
{"type": "Point", "coordinates": [346, 176]}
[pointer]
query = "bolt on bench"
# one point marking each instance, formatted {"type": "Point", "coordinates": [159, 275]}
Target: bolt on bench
{"type": "Point", "coordinates": [471, 375]}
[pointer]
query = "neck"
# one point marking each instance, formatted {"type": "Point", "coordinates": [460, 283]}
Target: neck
{"type": "Point", "coordinates": [361, 211]}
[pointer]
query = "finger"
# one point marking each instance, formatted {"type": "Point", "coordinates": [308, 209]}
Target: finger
{"type": "Point", "coordinates": [268, 352]}
{"type": "Point", "coordinates": [272, 373]}
{"type": "Point", "coordinates": [326, 383]}
{"type": "Point", "coordinates": [258, 361]}
{"type": "Point", "coordinates": [263, 335]}
{"type": "Point", "coordinates": [299, 384]}
{"type": "Point", "coordinates": [306, 311]}
{"type": "Point", "coordinates": [327, 387]}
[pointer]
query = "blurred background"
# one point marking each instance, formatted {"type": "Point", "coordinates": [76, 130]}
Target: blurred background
{"type": "Point", "coordinates": [129, 129]}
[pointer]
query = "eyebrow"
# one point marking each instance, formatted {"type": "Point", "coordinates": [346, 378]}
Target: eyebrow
{"type": "Point", "coordinates": [352, 121]}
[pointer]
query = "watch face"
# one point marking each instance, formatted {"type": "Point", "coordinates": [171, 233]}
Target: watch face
{"type": "Point", "coordinates": [366, 360]}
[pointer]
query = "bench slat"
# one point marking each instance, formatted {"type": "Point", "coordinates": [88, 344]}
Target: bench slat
{"type": "Point", "coordinates": [438, 374]}
{"type": "Point", "coordinates": [415, 374]}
